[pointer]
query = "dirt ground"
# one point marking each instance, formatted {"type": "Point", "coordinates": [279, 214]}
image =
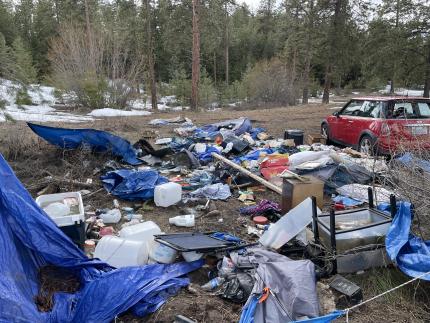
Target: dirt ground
{"type": "Point", "coordinates": [33, 159]}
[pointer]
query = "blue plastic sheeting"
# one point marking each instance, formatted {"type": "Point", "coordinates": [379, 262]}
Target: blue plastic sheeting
{"type": "Point", "coordinates": [254, 155]}
{"type": "Point", "coordinates": [29, 239]}
{"type": "Point", "coordinates": [210, 131]}
{"type": "Point", "coordinates": [97, 140]}
{"type": "Point", "coordinates": [206, 157]}
{"type": "Point", "coordinates": [411, 253]}
{"type": "Point", "coordinates": [323, 319]}
{"type": "Point", "coordinates": [410, 160]}
{"type": "Point", "coordinates": [248, 311]}
{"type": "Point", "coordinates": [131, 184]}
{"type": "Point", "coordinates": [347, 201]}
{"type": "Point", "coordinates": [226, 237]}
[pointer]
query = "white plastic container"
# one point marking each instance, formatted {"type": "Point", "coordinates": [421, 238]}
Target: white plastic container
{"type": "Point", "coordinates": [167, 194]}
{"type": "Point", "coordinates": [289, 226]}
{"type": "Point", "coordinates": [112, 216]}
{"type": "Point", "coordinates": [187, 220]}
{"type": "Point", "coordinates": [76, 213]}
{"type": "Point", "coordinates": [162, 253]}
{"type": "Point", "coordinates": [57, 209]}
{"type": "Point", "coordinates": [119, 252]}
{"type": "Point", "coordinates": [190, 256]}
{"type": "Point", "coordinates": [140, 232]}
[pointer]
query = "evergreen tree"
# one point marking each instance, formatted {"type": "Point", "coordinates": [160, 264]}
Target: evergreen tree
{"type": "Point", "coordinates": [24, 68]}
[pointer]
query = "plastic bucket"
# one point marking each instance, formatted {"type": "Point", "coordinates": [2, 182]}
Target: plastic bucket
{"type": "Point", "coordinates": [295, 134]}
{"type": "Point", "coordinates": [119, 252]}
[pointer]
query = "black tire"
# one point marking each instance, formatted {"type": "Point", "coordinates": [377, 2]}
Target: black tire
{"type": "Point", "coordinates": [325, 132]}
{"type": "Point", "coordinates": [366, 145]}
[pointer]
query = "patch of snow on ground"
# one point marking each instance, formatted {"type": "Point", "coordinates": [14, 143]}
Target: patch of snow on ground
{"type": "Point", "coordinates": [403, 92]}
{"type": "Point", "coordinates": [108, 112]}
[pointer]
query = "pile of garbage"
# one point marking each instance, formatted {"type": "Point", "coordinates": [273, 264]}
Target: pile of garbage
{"type": "Point", "coordinates": [326, 220]}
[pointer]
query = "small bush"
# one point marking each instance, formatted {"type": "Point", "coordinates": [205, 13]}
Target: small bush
{"type": "Point", "coordinates": [2, 104]}
{"type": "Point", "coordinates": [181, 87]}
{"type": "Point", "coordinates": [91, 92]}
{"type": "Point", "coordinates": [207, 91]}
{"type": "Point", "coordinates": [22, 97]}
{"type": "Point", "coordinates": [9, 118]}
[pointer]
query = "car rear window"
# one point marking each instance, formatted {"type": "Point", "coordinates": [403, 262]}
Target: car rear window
{"type": "Point", "coordinates": [408, 110]}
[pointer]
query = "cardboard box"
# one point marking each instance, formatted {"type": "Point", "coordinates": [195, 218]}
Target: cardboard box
{"type": "Point", "coordinates": [316, 139]}
{"type": "Point", "coordinates": [294, 191]}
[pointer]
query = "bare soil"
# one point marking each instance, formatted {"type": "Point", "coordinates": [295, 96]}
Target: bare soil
{"type": "Point", "coordinates": [33, 159]}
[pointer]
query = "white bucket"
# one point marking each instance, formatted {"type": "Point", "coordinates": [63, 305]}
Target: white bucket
{"type": "Point", "coordinates": [190, 256]}
{"type": "Point", "coordinates": [162, 253]}
{"type": "Point", "coordinates": [119, 252]}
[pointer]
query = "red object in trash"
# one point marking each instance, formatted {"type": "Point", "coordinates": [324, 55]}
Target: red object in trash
{"type": "Point", "coordinates": [106, 231]}
{"type": "Point", "coordinates": [339, 206]}
{"type": "Point", "coordinates": [270, 172]}
{"type": "Point", "coordinates": [274, 161]}
{"type": "Point", "coordinates": [260, 219]}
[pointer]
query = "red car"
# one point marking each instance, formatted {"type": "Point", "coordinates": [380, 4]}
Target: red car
{"type": "Point", "coordinates": [380, 125]}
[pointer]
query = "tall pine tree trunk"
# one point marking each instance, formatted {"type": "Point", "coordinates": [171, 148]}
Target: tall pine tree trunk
{"type": "Point", "coordinates": [427, 80]}
{"type": "Point", "coordinates": [333, 36]}
{"type": "Point", "coordinates": [394, 69]}
{"type": "Point", "coordinates": [214, 61]}
{"type": "Point", "coordinates": [308, 56]}
{"type": "Point", "coordinates": [226, 48]}
{"type": "Point", "coordinates": [150, 56]}
{"type": "Point", "coordinates": [195, 71]}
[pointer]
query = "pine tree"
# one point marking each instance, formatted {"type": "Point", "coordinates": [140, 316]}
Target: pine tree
{"type": "Point", "coordinates": [6, 65]}
{"type": "Point", "coordinates": [24, 68]}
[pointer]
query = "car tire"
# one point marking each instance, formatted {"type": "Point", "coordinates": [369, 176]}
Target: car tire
{"type": "Point", "coordinates": [325, 132]}
{"type": "Point", "coordinates": [367, 145]}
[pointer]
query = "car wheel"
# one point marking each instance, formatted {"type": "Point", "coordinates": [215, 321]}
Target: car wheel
{"type": "Point", "coordinates": [366, 145]}
{"type": "Point", "coordinates": [325, 133]}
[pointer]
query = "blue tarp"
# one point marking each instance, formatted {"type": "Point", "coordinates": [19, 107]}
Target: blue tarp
{"type": "Point", "coordinates": [238, 126]}
{"type": "Point", "coordinates": [254, 155]}
{"type": "Point", "coordinates": [410, 160]}
{"type": "Point", "coordinates": [323, 319]}
{"type": "Point", "coordinates": [131, 184]}
{"type": "Point", "coordinates": [411, 253]}
{"type": "Point", "coordinates": [29, 239]}
{"type": "Point", "coordinates": [97, 140]}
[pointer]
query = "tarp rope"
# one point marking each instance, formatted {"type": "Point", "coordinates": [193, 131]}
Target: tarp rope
{"type": "Point", "coordinates": [347, 310]}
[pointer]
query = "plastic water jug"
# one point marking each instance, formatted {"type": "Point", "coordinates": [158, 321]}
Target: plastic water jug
{"type": "Point", "coordinates": [112, 216]}
{"type": "Point", "coordinates": [162, 253]}
{"type": "Point", "coordinates": [167, 194]}
{"type": "Point", "coordinates": [119, 252]}
{"type": "Point", "coordinates": [183, 220]}
{"type": "Point", "coordinates": [140, 232]}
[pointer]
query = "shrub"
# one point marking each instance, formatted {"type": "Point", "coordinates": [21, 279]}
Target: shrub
{"type": "Point", "coordinates": [22, 97]}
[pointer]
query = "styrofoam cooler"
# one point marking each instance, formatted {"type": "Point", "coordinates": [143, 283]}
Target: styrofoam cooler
{"type": "Point", "coordinates": [119, 252]}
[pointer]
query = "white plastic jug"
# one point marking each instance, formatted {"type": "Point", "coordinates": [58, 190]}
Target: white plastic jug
{"type": "Point", "coordinates": [167, 194]}
{"type": "Point", "coordinates": [119, 252]}
{"type": "Point", "coordinates": [183, 220]}
{"type": "Point", "coordinates": [140, 232]}
{"type": "Point", "coordinates": [289, 226]}
{"type": "Point", "coordinates": [162, 253]}
{"type": "Point", "coordinates": [112, 216]}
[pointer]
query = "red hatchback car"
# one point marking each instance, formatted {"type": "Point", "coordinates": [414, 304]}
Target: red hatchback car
{"type": "Point", "coordinates": [380, 125]}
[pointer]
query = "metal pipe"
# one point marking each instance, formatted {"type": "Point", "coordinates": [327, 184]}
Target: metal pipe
{"type": "Point", "coordinates": [393, 205]}
{"type": "Point", "coordinates": [333, 239]}
{"type": "Point", "coordinates": [315, 220]}
{"type": "Point", "coordinates": [370, 197]}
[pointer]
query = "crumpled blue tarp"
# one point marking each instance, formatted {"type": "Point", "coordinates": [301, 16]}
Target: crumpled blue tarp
{"type": "Point", "coordinates": [324, 319]}
{"type": "Point", "coordinates": [411, 253]}
{"type": "Point", "coordinates": [347, 201]}
{"type": "Point", "coordinates": [29, 239]}
{"type": "Point", "coordinates": [410, 160]}
{"type": "Point", "coordinates": [97, 140]}
{"type": "Point", "coordinates": [206, 157]}
{"type": "Point", "coordinates": [254, 155]}
{"type": "Point", "coordinates": [131, 184]}
{"type": "Point", "coordinates": [239, 126]}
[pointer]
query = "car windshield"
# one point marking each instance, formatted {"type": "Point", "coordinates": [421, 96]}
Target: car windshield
{"type": "Point", "coordinates": [408, 110]}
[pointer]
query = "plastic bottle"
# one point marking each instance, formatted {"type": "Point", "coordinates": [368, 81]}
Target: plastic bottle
{"type": "Point", "coordinates": [187, 220]}
{"type": "Point", "coordinates": [213, 283]}
{"type": "Point", "coordinates": [111, 216]}
{"type": "Point", "coordinates": [167, 194]}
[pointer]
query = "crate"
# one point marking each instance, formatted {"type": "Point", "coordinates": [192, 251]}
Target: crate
{"type": "Point", "coordinates": [316, 139]}
{"type": "Point", "coordinates": [72, 225]}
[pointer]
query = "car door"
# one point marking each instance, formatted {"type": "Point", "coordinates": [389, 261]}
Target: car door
{"type": "Point", "coordinates": [366, 119]}
{"type": "Point", "coordinates": [341, 127]}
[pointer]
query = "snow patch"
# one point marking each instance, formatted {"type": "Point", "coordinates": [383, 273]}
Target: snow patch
{"type": "Point", "coordinates": [108, 112]}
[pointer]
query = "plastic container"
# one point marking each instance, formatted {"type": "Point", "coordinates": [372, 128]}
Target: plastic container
{"type": "Point", "coordinates": [167, 194]}
{"type": "Point", "coordinates": [162, 253]}
{"type": "Point", "coordinates": [295, 134]}
{"type": "Point", "coordinates": [72, 200]}
{"type": "Point", "coordinates": [213, 283]}
{"type": "Point", "coordinates": [190, 256]}
{"type": "Point", "coordinates": [57, 209]}
{"type": "Point", "coordinates": [290, 225]}
{"type": "Point", "coordinates": [140, 232]}
{"type": "Point", "coordinates": [119, 252]}
{"type": "Point", "coordinates": [112, 216]}
{"type": "Point", "coordinates": [187, 220]}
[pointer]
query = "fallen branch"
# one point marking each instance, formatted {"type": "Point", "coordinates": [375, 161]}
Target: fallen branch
{"type": "Point", "coordinates": [248, 173]}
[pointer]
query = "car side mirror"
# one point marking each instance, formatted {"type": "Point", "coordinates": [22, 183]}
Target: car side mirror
{"type": "Point", "coordinates": [336, 114]}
